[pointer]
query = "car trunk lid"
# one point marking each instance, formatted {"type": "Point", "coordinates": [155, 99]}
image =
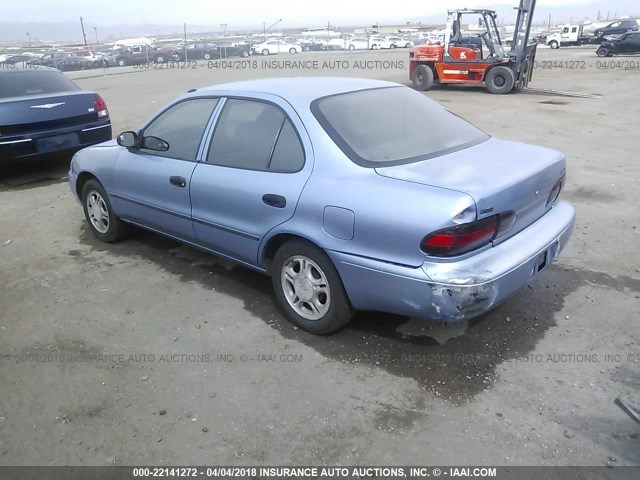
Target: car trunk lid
{"type": "Point", "coordinates": [500, 176]}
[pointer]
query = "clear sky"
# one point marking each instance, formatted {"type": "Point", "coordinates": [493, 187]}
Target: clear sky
{"type": "Point", "coordinates": [243, 13]}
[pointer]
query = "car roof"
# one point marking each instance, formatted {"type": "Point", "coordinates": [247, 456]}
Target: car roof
{"type": "Point", "coordinates": [298, 90]}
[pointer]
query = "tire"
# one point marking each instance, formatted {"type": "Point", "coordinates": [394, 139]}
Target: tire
{"type": "Point", "coordinates": [408, 45]}
{"type": "Point", "coordinates": [554, 44]}
{"type": "Point", "coordinates": [599, 33]}
{"type": "Point", "coordinates": [374, 47]}
{"type": "Point", "coordinates": [244, 54]}
{"type": "Point", "coordinates": [603, 52]}
{"type": "Point", "coordinates": [293, 51]}
{"type": "Point", "coordinates": [265, 52]}
{"type": "Point", "coordinates": [500, 80]}
{"type": "Point", "coordinates": [104, 224]}
{"type": "Point", "coordinates": [206, 56]}
{"type": "Point", "coordinates": [319, 283]}
{"type": "Point", "coordinates": [307, 48]}
{"type": "Point", "coordinates": [393, 46]}
{"type": "Point", "coordinates": [160, 59]}
{"type": "Point", "coordinates": [423, 78]}
{"type": "Point", "coordinates": [352, 47]}
{"type": "Point", "coordinates": [121, 62]}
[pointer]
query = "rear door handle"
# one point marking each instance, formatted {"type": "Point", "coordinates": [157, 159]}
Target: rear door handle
{"type": "Point", "coordinates": [178, 181]}
{"type": "Point", "coordinates": [277, 201]}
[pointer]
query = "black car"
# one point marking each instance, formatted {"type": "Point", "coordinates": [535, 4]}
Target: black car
{"type": "Point", "coordinates": [313, 46]}
{"type": "Point", "coordinates": [62, 61]}
{"type": "Point", "coordinates": [43, 112]}
{"type": "Point", "coordinates": [15, 59]}
{"type": "Point", "coordinates": [617, 28]}
{"type": "Point", "coordinates": [198, 51]}
{"type": "Point", "coordinates": [231, 49]}
{"type": "Point", "coordinates": [628, 43]}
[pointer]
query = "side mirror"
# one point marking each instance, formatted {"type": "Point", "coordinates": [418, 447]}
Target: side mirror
{"type": "Point", "coordinates": [154, 143]}
{"type": "Point", "coordinates": [128, 139]}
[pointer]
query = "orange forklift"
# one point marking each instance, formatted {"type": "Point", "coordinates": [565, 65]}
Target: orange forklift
{"type": "Point", "coordinates": [480, 59]}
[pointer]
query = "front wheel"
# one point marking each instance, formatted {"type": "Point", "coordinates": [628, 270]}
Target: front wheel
{"type": "Point", "coordinates": [554, 44]}
{"type": "Point", "coordinates": [160, 59]}
{"type": "Point", "coordinates": [500, 80]}
{"type": "Point", "coordinates": [245, 54]}
{"type": "Point", "coordinates": [308, 288]}
{"type": "Point", "coordinates": [603, 52]}
{"type": "Point", "coordinates": [99, 214]}
{"type": "Point", "coordinates": [352, 47]}
{"type": "Point", "coordinates": [423, 78]}
{"type": "Point", "coordinates": [293, 51]}
{"type": "Point", "coordinates": [207, 56]}
{"type": "Point", "coordinates": [265, 52]}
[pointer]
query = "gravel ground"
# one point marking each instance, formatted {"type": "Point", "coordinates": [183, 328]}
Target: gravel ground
{"type": "Point", "coordinates": [149, 352]}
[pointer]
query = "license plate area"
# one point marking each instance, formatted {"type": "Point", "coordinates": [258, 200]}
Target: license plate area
{"type": "Point", "coordinates": [58, 142]}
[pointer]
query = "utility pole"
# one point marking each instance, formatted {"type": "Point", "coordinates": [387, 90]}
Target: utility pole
{"type": "Point", "coordinates": [29, 39]}
{"type": "Point", "coordinates": [84, 35]}
{"type": "Point", "coordinates": [95, 29]}
{"type": "Point", "coordinates": [549, 21]}
{"type": "Point", "coordinates": [185, 42]}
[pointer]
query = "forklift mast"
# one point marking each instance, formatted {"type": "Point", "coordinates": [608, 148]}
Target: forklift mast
{"type": "Point", "coordinates": [522, 54]}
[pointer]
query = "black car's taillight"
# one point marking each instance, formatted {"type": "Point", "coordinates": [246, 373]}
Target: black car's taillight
{"type": "Point", "coordinates": [101, 106]}
{"type": "Point", "coordinates": [464, 238]}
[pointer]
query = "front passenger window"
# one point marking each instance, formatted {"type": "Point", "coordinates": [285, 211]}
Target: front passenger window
{"type": "Point", "coordinates": [182, 127]}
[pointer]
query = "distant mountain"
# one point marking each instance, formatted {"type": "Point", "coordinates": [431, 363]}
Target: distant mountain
{"type": "Point", "coordinates": [71, 31]}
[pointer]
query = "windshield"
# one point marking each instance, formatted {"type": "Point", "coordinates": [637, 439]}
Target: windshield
{"type": "Point", "coordinates": [34, 82]}
{"type": "Point", "coordinates": [392, 125]}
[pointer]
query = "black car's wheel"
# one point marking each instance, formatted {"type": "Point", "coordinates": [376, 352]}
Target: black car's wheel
{"type": "Point", "coordinates": [554, 44]}
{"type": "Point", "coordinates": [423, 78]}
{"type": "Point", "coordinates": [599, 33]}
{"type": "Point", "coordinates": [121, 62]}
{"type": "Point", "coordinates": [308, 288]}
{"type": "Point", "coordinates": [500, 80]}
{"type": "Point", "coordinates": [603, 52]}
{"type": "Point", "coordinates": [206, 56]}
{"type": "Point", "coordinates": [160, 59]}
{"type": "Point", "coordinates": [100, 217]}
{"type": "Point", "coordinates": [307, 48]}
{"type": "Point", "coordinates": [244, 54]}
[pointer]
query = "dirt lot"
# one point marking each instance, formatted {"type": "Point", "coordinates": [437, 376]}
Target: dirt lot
{"type": "Point", "coordinates": [170, 356]}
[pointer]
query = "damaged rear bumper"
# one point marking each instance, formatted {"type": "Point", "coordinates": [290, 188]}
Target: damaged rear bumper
{"type": "Point", "coordinates": [457, 290]}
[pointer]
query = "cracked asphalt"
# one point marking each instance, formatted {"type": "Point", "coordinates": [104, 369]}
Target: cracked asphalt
{"type": "Point", "coordinates": [150, 352]}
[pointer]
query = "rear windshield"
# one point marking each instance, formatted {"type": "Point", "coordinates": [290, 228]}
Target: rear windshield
{"type": "Point", "coordinates": [393, 125]}
{"type": "Point", "coordinates": [15, 83]}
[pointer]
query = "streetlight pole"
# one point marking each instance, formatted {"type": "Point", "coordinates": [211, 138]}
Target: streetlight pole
{"type": "Point", "coordinates": [269, 28]}
{"type": "Point", "coordinates": [29, 39]}
{"type": "Point", "coordinates": [84, 35]}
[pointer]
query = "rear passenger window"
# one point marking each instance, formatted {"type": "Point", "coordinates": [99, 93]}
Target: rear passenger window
{"type": "Point", "coordinates": [255, 136]}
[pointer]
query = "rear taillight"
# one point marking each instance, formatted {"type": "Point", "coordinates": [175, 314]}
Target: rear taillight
{"type": "Point", "coordinates": [101, 106]}
{"type": "Point", "coordinates": [466, 237]}
{"type": "Point", "coordinates": [555, 193]}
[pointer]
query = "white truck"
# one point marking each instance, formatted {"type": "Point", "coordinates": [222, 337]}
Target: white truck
{"type": "Point", "coordinates": [568, 35]}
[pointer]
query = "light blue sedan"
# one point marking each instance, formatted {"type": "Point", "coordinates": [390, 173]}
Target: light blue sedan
{"type": "Point", "coordinates": [309, 181]}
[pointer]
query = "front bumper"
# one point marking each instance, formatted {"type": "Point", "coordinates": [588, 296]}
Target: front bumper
{"type": "Point", "coordinates": [457, 290]}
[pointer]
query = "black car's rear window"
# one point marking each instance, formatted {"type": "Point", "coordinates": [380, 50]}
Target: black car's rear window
{"type": "Point", "coordinates": [393, 125]}
{"type": "Point", "coordinates": [14, 83]}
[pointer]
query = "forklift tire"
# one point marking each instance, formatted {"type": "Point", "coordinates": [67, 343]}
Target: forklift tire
{"type": "Point", "coordinates": [500, 80]}
{"type": "Point", "coordinates": [423, 78]}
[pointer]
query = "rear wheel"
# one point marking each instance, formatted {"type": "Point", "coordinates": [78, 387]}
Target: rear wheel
{"type": "Point", "coordinates": [423, 78]}
{"type": "Point", "coordinates": [392, 46]}
{"type": "Point", "coordinates": [352, 47]}
{"type": "Point", "coordinates": [160, 59]}
{"type": "Point", "coordinates": [500, 80]}
{"type": "Point", "coordinates": [100, 217]}
{"type": "Point", "coordinates": [308, 288]}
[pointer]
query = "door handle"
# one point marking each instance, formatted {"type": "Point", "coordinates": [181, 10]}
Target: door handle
{"type": "Point", "coordinates": [178, 181]}
{"type": "Point", "coordinates": [277, 201]}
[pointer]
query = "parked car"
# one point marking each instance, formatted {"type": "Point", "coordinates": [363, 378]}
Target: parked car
{"type": "Point", "coordinates": [618, 28]}
{"type": "Point", "coordinates": [314, 45]}
{"type": "Point", "coordinates": [15, 59]}
{"type": "Point", "coordinates": [358, 43]}
{"type": "Point", "coordinates": [377, 43]}
{"type": "Point", "coordinates": [628, 43]}
{"type": "Point", "coordinates": [400, 42]}
{"type": "Point", "coordinates": [144, 54]}
{"type": "Point", "coordinates": [271, 47]}
{"type": "Point", "coordinates": [61, 60]}
{"type": "Point", "coordinates": [231, 49]}
{"type": "Point", "coordinates": [306, 180]}
{"type": "Point", "coordinates": [198, 51]}
{"type": "Point", "coordinates": [43, 112]}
